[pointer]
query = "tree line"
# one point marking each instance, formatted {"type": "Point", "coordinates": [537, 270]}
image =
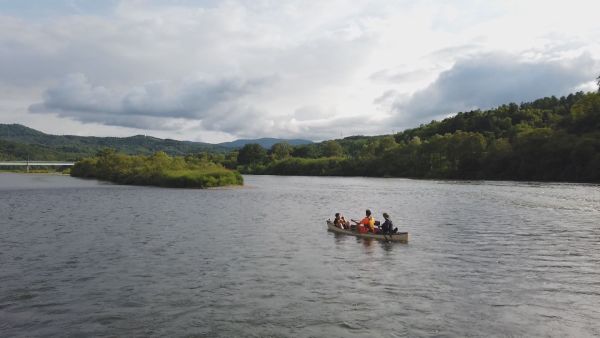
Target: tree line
{"type": "Point", "coordinates": [549, 139]}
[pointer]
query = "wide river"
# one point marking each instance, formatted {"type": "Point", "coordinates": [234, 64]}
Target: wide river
{"type": "Point", "coordinates": [85, 258]}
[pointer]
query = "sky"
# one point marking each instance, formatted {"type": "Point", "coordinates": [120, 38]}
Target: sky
{"type": "Point", "coordinates": [215, 71]}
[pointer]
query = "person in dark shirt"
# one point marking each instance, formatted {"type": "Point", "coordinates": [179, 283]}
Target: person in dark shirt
{"type": "Point", "coordinates": [387, 228]}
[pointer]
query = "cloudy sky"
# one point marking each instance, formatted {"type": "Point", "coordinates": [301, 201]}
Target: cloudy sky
{"type": "Point", "coordinates": [215, 71]}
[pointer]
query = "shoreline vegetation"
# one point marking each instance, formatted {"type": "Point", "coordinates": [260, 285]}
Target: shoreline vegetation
{"type": "Point", "coordinates": [548, 140]}
{"type": "Point", "coordinates": [158, 169]}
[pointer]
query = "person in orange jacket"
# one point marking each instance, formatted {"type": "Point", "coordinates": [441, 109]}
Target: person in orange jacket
{"type": "Point", "coordinates": [368, 222]}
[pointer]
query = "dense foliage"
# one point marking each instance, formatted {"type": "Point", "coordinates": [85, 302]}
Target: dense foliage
{"type": "Point", "coordinates": [552, 138]}
{"type": "Point", "coordinates": [158, 169]}
{"type": "Point", "coordinates": [14, 151]}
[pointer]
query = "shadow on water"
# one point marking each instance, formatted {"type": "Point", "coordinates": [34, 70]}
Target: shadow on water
{"type": "Point", "coordinates": [339, 238]}
{"type": "Point", "coordinates": [388, 246]}
{"type": "Point", "coordinates": [367, 243]}
{"type": "Point", "coordinates": [342, 238]}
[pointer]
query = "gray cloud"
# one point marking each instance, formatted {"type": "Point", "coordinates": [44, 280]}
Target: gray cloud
{"type": "Point", "coordinates": [239, 120]}
{"type": "Point", "coordinates": [136, 122]}
{"type": "Point", "coordinates": [144, 106]}
{"type": "Point", "coordinates": [489, 80]}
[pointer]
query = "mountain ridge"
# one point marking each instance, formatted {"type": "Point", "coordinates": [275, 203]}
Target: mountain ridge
{"type": "Point", "coordinates": [265, 142]}
{"type": "Point", "coordinates": [18, 136]}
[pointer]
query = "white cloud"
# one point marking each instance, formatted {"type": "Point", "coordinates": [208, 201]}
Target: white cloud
{"type": "Point", "coordinates": [287, 68]}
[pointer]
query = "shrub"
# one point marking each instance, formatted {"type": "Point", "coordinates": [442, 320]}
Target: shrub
{"type": "Point", "coordinates": [158, 169]}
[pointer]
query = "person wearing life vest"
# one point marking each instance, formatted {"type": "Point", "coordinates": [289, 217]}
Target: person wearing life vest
{"type": "Point", "coordinates": [366, 224]}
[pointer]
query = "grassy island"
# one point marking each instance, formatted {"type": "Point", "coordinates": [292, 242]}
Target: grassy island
{"type": "Point", "coordinates": [158, 169]}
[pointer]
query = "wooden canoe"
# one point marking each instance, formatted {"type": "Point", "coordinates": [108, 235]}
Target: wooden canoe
{"type": "Point", "coordinates": [397, 237]}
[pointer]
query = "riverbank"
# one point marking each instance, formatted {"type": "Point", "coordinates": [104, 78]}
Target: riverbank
{"type": "Point", "coordinates": [156, 170]}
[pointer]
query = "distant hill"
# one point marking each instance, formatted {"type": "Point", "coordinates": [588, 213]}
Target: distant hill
{"type": "Point", "coordinates": [14, 151]}
{"type": "Point", "coordinates": [16, 136]}
{"type": "Point", "coordinates": [264, 142]}
{"type": "Point", "coordinates": [19, 142]}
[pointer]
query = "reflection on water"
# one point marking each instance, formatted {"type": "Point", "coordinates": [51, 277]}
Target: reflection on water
{"type": "Point", "coordinates": [484, 258]}
{"type": "Point", "coordinates": [367, 242]}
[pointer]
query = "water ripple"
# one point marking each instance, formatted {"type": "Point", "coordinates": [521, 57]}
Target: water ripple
{"type": "Point", "coordinates": [484, 259]}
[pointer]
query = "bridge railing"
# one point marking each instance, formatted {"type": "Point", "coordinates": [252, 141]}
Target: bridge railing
{"type": "Point", "coordinates": [36, 163]}
{"type": "Point", "coordinates": [28, 164]}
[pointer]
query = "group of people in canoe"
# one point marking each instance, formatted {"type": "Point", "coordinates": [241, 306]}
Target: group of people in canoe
{"type": "Point", "coordinates": [367, 224]}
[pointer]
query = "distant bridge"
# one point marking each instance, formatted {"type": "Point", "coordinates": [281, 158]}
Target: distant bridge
{"type": "Point", "coordinates": [35, 164]}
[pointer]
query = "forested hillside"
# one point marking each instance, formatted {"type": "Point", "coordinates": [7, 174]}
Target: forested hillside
{"type": "Point", "coordinates": [74, 147]}
{"type": "Point", "coordinates": [552, 138]}
{"type": "Point", "coordinates": [18, 142]}
{"type": "Point", "coordinates": [13, 151]}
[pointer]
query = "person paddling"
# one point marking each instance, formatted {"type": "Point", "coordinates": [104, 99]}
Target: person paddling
{"type": "Point", "coordinates": [368, 223]}
{"type": "Point", "coordinates": [388, 227]}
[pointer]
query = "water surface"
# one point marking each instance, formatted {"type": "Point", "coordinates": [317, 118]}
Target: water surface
{"type": "Point", "coordinates": [83, 258]}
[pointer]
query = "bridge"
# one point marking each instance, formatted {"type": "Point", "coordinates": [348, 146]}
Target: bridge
{"type": "Point", "coordinates": [35, 164]}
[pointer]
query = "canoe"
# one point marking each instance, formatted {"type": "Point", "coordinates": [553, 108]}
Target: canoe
{"type": "Point", "coordinates": [397, 237]}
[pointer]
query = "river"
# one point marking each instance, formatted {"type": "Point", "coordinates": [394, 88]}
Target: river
{"type": "Point", "coordinates": [86, 258]}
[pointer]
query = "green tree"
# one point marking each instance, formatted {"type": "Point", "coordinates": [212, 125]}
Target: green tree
{"type": "Point", "coordinates": [585, 114]}
{"type": "Point", "coordinates": [385, 143]}
{"type": "Point", "coordinates": [498, 160]}
{"type": "Point", "coordinates": [465, 150]}
{"type": "Point", "coordinates": [230, 161]}
{"type": "Point", "coordinates": [252, 153]}
{"type": "Point", "coordinates": [331, 149]}
{"type": "Point", "coordinates": [306, 151]}
{"type": "Point", "coordinates": [582, 155]}
{"type": "Point", "coordinates": [281, 151]}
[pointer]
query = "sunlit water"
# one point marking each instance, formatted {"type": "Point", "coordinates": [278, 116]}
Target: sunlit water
{"type": "Point", "coordinates": [83, 258]}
